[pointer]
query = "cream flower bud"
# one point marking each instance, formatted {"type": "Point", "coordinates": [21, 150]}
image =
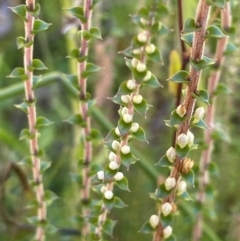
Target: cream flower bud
{"type": "Point", "coordinates": [137, 51]}
{"type": "Point", "coordinates": [171, 154]}
{"type": "Point", "coordinates": [112, 156]}
{"type": "Point", "coordinates": [127, 118]}
{"type": "Point", "coordinates": [141, 67]}
{"type": "Point", "coordinates": [142, 37]}
{"type": "Point", "coordinates": [166, 209]}
{"type": "Point", "coordinates": [181, 110]}
{"type": "Point", "coordinates": [124, 111]}
{"type": "Point", "coordinates": [125, 99]}
{"type": "Point", "coordinates": [137, 99]}
{"type": "Point", "coordinates": [181, 187]}
{"type": "Point", "coordinates": [187, 165]}
{"type": "Point", "coordinates": [131, 84]}
{"type": "Point", "coordinates": [150, 48]}
{"type": "Point", "coordinates": [147, 76]}
{"type": "Point", "coordinates": [134, 62]}
{"type": "Point", "coordinates": [144, 21]}
{"type": "Point", "coordinates": [167, 232]}
{"type": "Point", "coordinates": [118, 176]}
{"type": "Point", "coordinates": [103, 189]}
{"type": "Point", "coordinates": [115, 145]}
{"type": "Point", "coordinates": [100, 175]}
{"type": "Point", "coordinates": [182, 140]}
{"type": "Point", "coordinates": [135, 127]}
{"type": "Point", "coordinates": [108, 194]}
{"type": "Point", "coordinates": [199, 114]}
{"type": "Point", "coordinates": [170, 183]}
{"type": "Point", "coordinates": [125, 149]}
{"type": "Point", "coordinates": [190, 138]}
{"type": "Point", "coordinates": [113, 165]}
{"type": "Point", "coordinates": [117, 132]}
{"type": "Point", "coordinates": [154, 221]}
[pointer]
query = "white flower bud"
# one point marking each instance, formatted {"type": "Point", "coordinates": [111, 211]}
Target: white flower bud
{"type": "Point", "coordinates": [113, 165]}
{"type": "Point", "coordinates": [125, 99]}
{"type": "Point", "coordinates": [150, 48]}
{"type": "Point", "coordinates": [112, 156]}
{"type": "Point", "coordinates": [154, 221]}
{"type": "Point", "coordinates": [147, 76]}
{"type": "Point", "coordinates": [125, 149]}
{"type": "Point", "coordinates": [117, 132]}
{"type": "Point", "coordinates": [141, 67]}
{"type": "Point", "coordinates": [167, 232]}
{"type": "Point", "coordinates": [118, 176]}
{"type": "Point", "coordinates": [144, 21]}
{"type": "Point", "coordinates": [182, 140]}
{"type": "Point", "coordinates": [103, 189]}
{"type": "Point", "coordinates": [134, 62]}
{"type": "Point", "coordinates": [127, 118]}
{"type": "Point", "coordinates": [181, 187]}
{"type": "Point", "coordinates": [190, 138]}
{"type": "Point", "coordinates": [166, 209]}
{"type": "Point", "coordinates": [131, 84]}
{"type": "Point", "coordinates": [124, 111]}
{"type": "Point", "coordinates": [108, 194]}
{"type": "Point", "coordinates": [135, 127]}
{"type": "Point", "coordinates": [170, 183]}
{"type": "Point", "coordinates": [142, 37]}
{"type": "Point", "coordinates": [115, 145]}
{"type": "Point", "coordinates": [137, 51]}
{"type": "Point", "coordinates": [137, 99]}
{"type": "Point", "coordinates": [181, 110]}
{"type": "Point", "coordinates": [171, 154]}
{"type": "Point", "coordinates": [199, 114]}
{"type": "Point", "coordinates": [100, 175]}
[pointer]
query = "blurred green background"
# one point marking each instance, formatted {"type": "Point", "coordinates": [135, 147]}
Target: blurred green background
{"type": "Point", "coordinates": [57, 101]}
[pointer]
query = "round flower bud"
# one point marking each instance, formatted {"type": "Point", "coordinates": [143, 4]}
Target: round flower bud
{"type": "Point", "coordinates": [118, 176]}
{"type": "Point", "coordinates": [125, 99]}
{"type": "Point", "coordinates": [135, 127]}
{"type": "Point", "coordinates": [170, 183]}
{"type": "Point", "coordinates": [142, 37]}
{"type": "Point", "coordinates": [150, 48]}
{"type": "Point", "coordinates": [147, 76]}
{"type": "Point", "coordinates": [115, 145]}
{"type": "Point", "coordinates": [144, 21]}
{"type": "Point", "coordinates": [199, 114]}
{"type": "Point", "coordinates": [141, 67]}
{"type": "Point", "coordinates": [137, 51]}
{"type": "Point", "coordinates": [166, 209]}
{"type": "Point", "coordinates": [182, 140]}
{"type": "Point", "coordinates": [134, 62]}
{"type": "Point", "coordinates": [131, 84]}
{"type": "Point", "coordinates": [154, 221]}
{"type": "Point", "coordinates": [171, 154]}
{"type": "Point", "coordinates": [137, 99]}
{"type": "Point", "coordinates": [108, 194]}
{"type": "Point", "coordinates": [124, 111]}
{"type": "Point", "coordinates": [187, 165]}
{"type": "Point", "coordinates": [125, 149]}
{"type": "Point", "coordinates": [190, 138]}
{"type": "Point", "coordinates": [112, 156]}
{"type": "Point", "coordinates": [167, 232]}
{"type": "Point", "coordinates": [103, 189]}
{"type": "Point", "coordinates": [113, 165]}
{"type": "Point", "coordinates": [181, 110]}
{"type": "Point", "coordinates": [100, 175]}
{"type": "Point", "coordinates": [127, 118]}
{"type": "Point", "coordinates": [117, 132]}
{"type": "Point", "coordinates": [181, 187]}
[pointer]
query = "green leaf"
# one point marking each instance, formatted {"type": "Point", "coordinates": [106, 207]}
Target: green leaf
{"type": "Point", "coordinates": [209, 190]}
{"type": "Point", "coordinates": [155, 56]}
{"type": "Point", "coordinates": [50, 197]}
{"type": "Point", "coordinates": [159, 29]}
{"type": "Point", "coordinates": [36, 11]}
{"type": "Point", "coordinates": [214, 32]}
{"type": "Point", "coordinates": [127, 52]}
{"type": "Point", "coordinates": [152, 82]}
{"type": "Point", "coordinates": [111, 136]}
{"type": "Point", "coordinates": [108, 203]}
{"type": "Point", "coordinates": [37, 64]}
{"type": "Point", "coordinates": [171, 238]}
{"type": "Point", "coordinates": [45, 165]}
{"type": "Point", "coordinates": [200, 124]}
{"type": "Point", "coordinates": [123, 184]}
{"type": "Point", "coordinates": [164, 162]}
{"type": "Point", "coordinates": [189, 177]}
{"type": "Point", "coordinates": [95, 32]}
{"type": "Point", "coordinates": [218, 133]}
{"type": "Point", "coordinates": [140, 135]}
{"type": "Point", "coordinates": [202, 95]}
{"type": "Point", "coordinates": [95, 135]}
{"type": "Point", "coordinates": [75, 120]}
{"type": "Point", "coordinates": [123, 127]}
{"type": "Point", "coordinates": [40, 154]}
{"type": "Point", "coordinates": [36, 81]}
{"type": "Point", "coordinates": [109, 173]}
{"type": "Point", "coordinates": [186, 196]}
{"type": "Point", "coordinates": [23, 106]}
{"type": "Point", "coordinates": [25, 134]}
{"type": "Point", "coordinates": [217, 3]}
{"type": "Point", "coordinates": [94, 2]}
{"type": "Point", "coordinates": [166, 220]}
{"type": "Point", "coordinates": [230, 49]}
{"type": "Point", "coordinates": [187, 38]}
{"type": "Point", "coordinates": [118, 203]}
{"type": "Point", "coordinates": [18, 73]}
{"type": "Point", "coordinates": [42, 122]}
{"type": "Point", "coordinates": [21, 11]}
{"type": "Point", "coordinates": [40, 25]}
{"type": "Point", "coordinates": [182, 152]}
{"type": "Point", "coordinates": [213, 169]}
{"type": "Point", "coordinates": [90, 68]}
{"type": "Point", "coordinates": [146, 228]}
{"type": "Point", "coordinates": [190, 26]}
{"type": "Point", "coordinates": [180, 77]}
{"type": "Point", "coordinates": [222, 89]}
{"type": "Point", "coordinates": [161, 191]}
{"type": "Point", "coordinates": [126, 159]}
{"type": "Point", "coordinates": [74, 54]}
{"type": "Point", "coordinates": [33, 220]}
{"type": "Point", "coordinates": [203, 63]}
{"type": "Point", "coordinates": [20, 42]}
{"type": "Point", "coordinates": [176, 119]}
{"type": "Point", "coordinates": [79, 13]}
{"type": "Point", "coordinates": [108, 226]}
{"type": "Point", "coordinates": [142, 107]}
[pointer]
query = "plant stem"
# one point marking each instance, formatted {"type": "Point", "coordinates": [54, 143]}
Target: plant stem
{"type": "Point", "coordinates": [34, 149]}
{"type": "Point", "coordinates": [210, 119]}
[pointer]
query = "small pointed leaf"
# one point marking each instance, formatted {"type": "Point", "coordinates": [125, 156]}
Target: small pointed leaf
{"type": "Point", "coordinates": [152, 82]}
{"type": "Point", "coordinates": [180, 77]}
{"type": "Point", "coordinates": [142, 107]}
{"type": "Point", "coordinates": [126, 159]}
{"type": "Point", "coordinates": [182, 152]}
{"type": "Point", "coordinates": [36, 81]}
{"type": "Point", "coordinates": [189, 177]}
{"type": "Point", "coordinates": [214, 32]}
{"type": "Point", "coordinates": [146, 228]}
{"type": "Point", "coordinates": [124, 128]}
{"type": "Point", "coordinates": [20, 42]}
{"type": "Point", "coordinates": [42, 122]}
{"type": "Point", "coordinates": [202, 95]}
{"type": "Point", "coordinates": [50, 197]}
{"type": "Point", "coordinates": [36, 11]}
{"type": "Point", "coordinates": [176, 119]}
{"type": "Point", "coordinates": [118, 203]}
{"type": "Point", "coordinates": [140, 135]}
{"type": "Point", "coordinates": [21, 11]}
{"type": "Point", "coordinates": [90, 68]}
{"type": "Point", "coordinates": [186, 196]}
{"type": "Point", "coordinates": [79, 13]}
{"type": "Point", "coordinates": [164, 162]}
{"type": "Point", "coordinates": [108, 226]}
{"type": "Point", "coordinates": [37, 64]}
{"type": "Point", "coordinates": [40, 25]}
{"type": "Point", "coordinates": [217, 3]}
{"type": "Point", "coordinates": [187, 38]}
{"type": "Point", "coordinates": [166, 220]}
{"type": "Point", "coordinates": [200, 124]}
{"type": "Point", "coordinates": [203, 63]}
{"type": "Point", "coordinates": [25, 134]}
{"type": "Point", "coordinates": [161, 191]}
{"type": "Point", "coordinates": [45, 165]}
{"type": "Point", "coordinates": [18, 73]}
{"type": "Point", "coordinates": [75, 120]}
{"type": "Point", "coordinates": [190, 26]}
{"type": "Point", "coordinates": [95, 32]}
{"type": "Point", "coordinates": [23, 106]}
{"type": "Point", "coordinates": [123, 184]}
{"type": "Point", "coordinates": [156, 56]}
